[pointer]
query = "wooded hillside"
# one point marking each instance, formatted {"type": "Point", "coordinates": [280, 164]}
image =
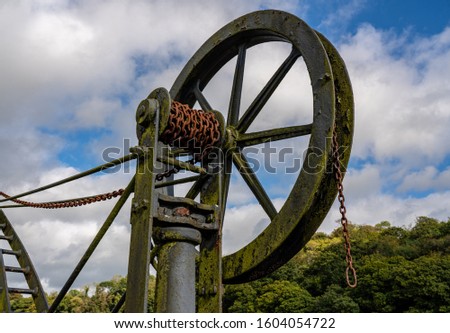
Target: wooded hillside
{"type": "Point", "coordinates": [403, 269]}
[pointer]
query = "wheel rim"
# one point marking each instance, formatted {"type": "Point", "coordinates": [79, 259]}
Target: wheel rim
{"type": "Point", "coordinates": [313, 192]}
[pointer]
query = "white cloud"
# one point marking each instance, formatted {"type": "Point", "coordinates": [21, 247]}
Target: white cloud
{"type": "Point", "coordinates": [429, 178]}
{"type": "Point", "coordinates": [383, 207]}
{"type": "Point", "coordinates": [337, 20]}
{"type": "Point", "coordinates": [67, 67]}
{"type": "Point", "coordinates": [400, 103]}
{"type": "Point", "coordinates": [72, 66]}
{"type": "Point", "coordinates": [365, 182]}
{"type": "Point", "coordinates": [243, 223]}
{"type": "Point", "coordinates": [59, 35]}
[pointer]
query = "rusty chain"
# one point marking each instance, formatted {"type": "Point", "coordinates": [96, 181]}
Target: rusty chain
{"type": "Point", "coordinates": [170, 172]}
{"type": "Point", "coordinates": [166, 174]}
{"type": "Point", "coordinates": [67, 203]}
{"type": "Point", "coordinates": [196, 130]}
{"type": "Point", "coordinates": [343, 211]}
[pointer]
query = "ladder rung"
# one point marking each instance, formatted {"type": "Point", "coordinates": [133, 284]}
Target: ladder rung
{"type": "Point", "coordinates": [8, 238]}
{"type": "Point", "coordinates": [12, 269]}
{"type": "Point", "coordinates": [22, 291]}
{"type": "Point", "coordinates": [11, 252]}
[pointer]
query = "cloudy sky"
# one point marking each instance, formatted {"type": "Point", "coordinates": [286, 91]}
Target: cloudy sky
{"type": "Point", "coordinates": [73, 72]}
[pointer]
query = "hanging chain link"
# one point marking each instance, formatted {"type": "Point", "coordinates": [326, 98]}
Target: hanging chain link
{"type": "Point", "coordinates": [196, 130]}
{"type": "Point", "coordinates": [350, 270]}
{"type": "Point", "coordinates": [167, 174]}
{"type": "Point", "coordinates": [67, 203]}
{"type": "Point", "coordinates": [170, 172]}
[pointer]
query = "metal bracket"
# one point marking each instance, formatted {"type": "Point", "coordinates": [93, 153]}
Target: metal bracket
{"type": "Point", "coordinates": [171, 211]}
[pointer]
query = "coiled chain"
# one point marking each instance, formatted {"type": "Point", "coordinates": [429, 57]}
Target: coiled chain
{"type": "Point", "coordinates": [67, 203]}
{"type": "Point", "coordinates": [195, 130]}
{"type": "Point", "coordinates": [343, 210]}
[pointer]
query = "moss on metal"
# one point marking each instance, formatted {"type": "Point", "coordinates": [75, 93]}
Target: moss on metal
{"type": "Point", "coordinates": [314, 190]}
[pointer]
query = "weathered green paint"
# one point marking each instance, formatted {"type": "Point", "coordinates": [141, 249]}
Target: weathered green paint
{"type": "Point", "coordinates": [315, 189]}
{"type": "Point", "coordinates": [182, 165]}
{"type": "Point", "coordinates": [176, 236]}
{"type": "Point", "coordinates": [177, 181]}
{"type": "Point", "coordinates": [305, 209]}
{"type": "Point", "coordinates": [147, 117]}
{"type": "Point", "coordinates": [24, 260]}
{"type": "Point", "coordinates": [252, 112]}
{"type": "Point", "coordinates": [165, 103]}
{"type": "Point", "coordinates": [209, 286]}
{"type": "Point", "coordinates": [162, 284]}
{"type": "Point", "coordinates": [253, 183]}
{"type": "Point", "coordinates": [178, 211]}
{"type": "Point", "coordinates": [345, 106]}
{"type": "Point", "coordinates": [180, 225]}
{"type": "Point", "coordinates": [255, 138]}
{"type": "Point", "coordinates": [5, 305]}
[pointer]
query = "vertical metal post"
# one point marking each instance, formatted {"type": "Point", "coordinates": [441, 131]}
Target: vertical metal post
{"type": "Point", "coordinates": [4, 296]}
{"type": "Point", "coordinates": [210, 288]}
{"type": "Point", "coordinates": [147, 117]}
{"type": "Point", "coordinates": [176, 279]}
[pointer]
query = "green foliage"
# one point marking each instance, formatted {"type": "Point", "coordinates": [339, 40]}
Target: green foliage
{"type": "Point", "coordinates": [21, 304]}
{"type": "Point", "coordinates": [399, 270]}
{"type": "Point", "coordinates": [334, 300]}
{"type": "Point", "coordinates": [240, 298]}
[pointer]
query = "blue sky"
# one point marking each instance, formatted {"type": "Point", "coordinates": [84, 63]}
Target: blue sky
{"type": "Point", "coordinates": [399, 16]}
{"type": "Point", "coordinates": [74, 73]}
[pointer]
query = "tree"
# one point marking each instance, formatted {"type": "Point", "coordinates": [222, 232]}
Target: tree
{"type": "Point", "coordinates": [283, 296]}
{"type": "Point", "coordinates": [239, 298]}
{"type": "Point", "coordinates": [399, 270]}
{"type": "Point", "coordinates": [335, 299]}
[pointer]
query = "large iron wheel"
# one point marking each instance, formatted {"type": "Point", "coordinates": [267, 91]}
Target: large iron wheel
{"type": "Point", "coordinates": [314, 191]}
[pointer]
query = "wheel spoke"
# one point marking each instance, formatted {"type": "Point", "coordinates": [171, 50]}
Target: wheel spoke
{"type": "Point", "coordinates": [255, 138]}
{"type": "Point", "coordinates": [197, 187]}
{"type": "Point", "coordinates": [181, 164]}
{"type": "Point", "coordinates": [177, 181]}
{"type": "Point", "coordinates": [253, 183]}
{"type": "Point", "coordinates": [262, 98]}
{"type": "Point", "coordinates": [201, 98]}
{"type": "Point", "coordinates": [236, 90]}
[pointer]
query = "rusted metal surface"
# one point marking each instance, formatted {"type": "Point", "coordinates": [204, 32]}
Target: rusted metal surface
{"type": "Point", "coordinates": [195, 130]}
{"type": "Point", "coordinates": [80, 175]}
{"type": "Point", "coordinates": [186, 212]}
{"type": "Point", "coordinates": [189, 280]}
{"type": "Point", "coordinates": [353, 281]}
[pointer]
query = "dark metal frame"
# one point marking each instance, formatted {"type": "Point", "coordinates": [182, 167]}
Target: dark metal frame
{"type": "Point", "coordinates": [189, 280]}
